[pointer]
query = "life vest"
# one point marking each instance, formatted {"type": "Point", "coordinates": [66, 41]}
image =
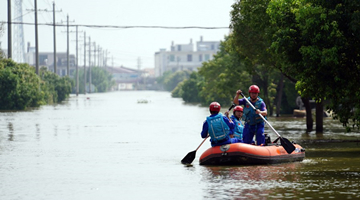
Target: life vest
{"type": "Point", "coordinates": [250, 115]}
{"type": "Point", "coordinates": [239, 127]}
{"type": "Point", "coordinates": [218, 129]}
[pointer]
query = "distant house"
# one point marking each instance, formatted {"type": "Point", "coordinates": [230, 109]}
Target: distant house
{"type": "Point", "coordinates": [183, 56]}
{"type": "Point", "coordinates": [125, 78]}
{"type": "Point", "coordinates": [47, 59]}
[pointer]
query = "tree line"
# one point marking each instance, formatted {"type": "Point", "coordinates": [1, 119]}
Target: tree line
{"type": "Point", "coordinates": [288, 48]}
{"type": "Point", "coordinates": [21, 88]}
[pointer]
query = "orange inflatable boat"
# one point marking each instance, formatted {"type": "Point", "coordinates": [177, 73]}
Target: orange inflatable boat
{"type": "Point", "coordinates": [246, 154]}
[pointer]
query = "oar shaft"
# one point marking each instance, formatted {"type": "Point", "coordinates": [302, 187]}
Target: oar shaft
{"type": "Point", "coordinates": [262, 117]}
{"type": "Point", "coordinates": [202, 143]}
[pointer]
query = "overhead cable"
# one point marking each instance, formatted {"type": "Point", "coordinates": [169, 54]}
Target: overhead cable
{"type": "Point", "coordinates": [120, 27]}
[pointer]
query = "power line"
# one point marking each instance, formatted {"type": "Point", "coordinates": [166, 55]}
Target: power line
{"type": "Point", "coordinates": [121, 27]}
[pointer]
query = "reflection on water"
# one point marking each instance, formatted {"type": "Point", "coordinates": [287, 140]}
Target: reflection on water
{"type": "Point", "coordinates": [330, 173]}
{"type": "Point", "coordinates": [250, 182]}
{"type": "Point", "coordinates": [109, 146]}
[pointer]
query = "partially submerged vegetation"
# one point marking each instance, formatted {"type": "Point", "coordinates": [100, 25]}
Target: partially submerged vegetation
{"type": "Point", "coordinates": [22, 88]}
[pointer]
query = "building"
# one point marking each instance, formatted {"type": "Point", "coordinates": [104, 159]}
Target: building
{"type": "Point", "coordinates": [47, 59]}
{"type": "Point", "coordinates": [125, 78]}
{"type": "Point", "coordinates": [182, 56]}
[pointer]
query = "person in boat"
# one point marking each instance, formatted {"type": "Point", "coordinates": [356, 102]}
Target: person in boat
{"type": "Point", "coordinates": [254, 125]}
{"type": "Point", "coordinates": [236, 117]}
{"type": "Point", "coordinates": [218, 126]}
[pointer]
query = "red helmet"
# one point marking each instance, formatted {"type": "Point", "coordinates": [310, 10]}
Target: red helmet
{"type": "Point", "coordinates": [254, 89]}
{"type": "Point", "coordinates": [215, 106]}
{"type": "Point", "coordinates": [238, 108]}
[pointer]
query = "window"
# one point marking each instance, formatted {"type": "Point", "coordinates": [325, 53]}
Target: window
{"type": "Point", "coordinates": [207, 57]}
{"type": "Point", "coordinates": [43, 59]}
{"type": "Point", "coordinates": [179, 47]}
{"type": "Point", "coordinates": [172, 58]}
{"type": "Point", "coordinates": [200, 57]}
{"type": "Point", "coordinates": [189, 57]}
{"type": "Point", "coordinates": [212, 47]}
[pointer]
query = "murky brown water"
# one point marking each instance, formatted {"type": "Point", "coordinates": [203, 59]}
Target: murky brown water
{"type": "Point", "coordinates": [109, 146]}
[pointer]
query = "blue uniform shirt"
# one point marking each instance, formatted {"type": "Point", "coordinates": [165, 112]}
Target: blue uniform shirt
{"type": "Point", "coordinates": [243, 102]}
{"type": "Point", "coordinates": [205, 130]}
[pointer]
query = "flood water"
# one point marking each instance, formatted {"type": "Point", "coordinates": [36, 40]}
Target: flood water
{"type": "Point", "coordinates": [116, 146]}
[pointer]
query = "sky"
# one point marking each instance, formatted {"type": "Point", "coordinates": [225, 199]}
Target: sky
{"type": "Point", "coordinates": [125, 46]}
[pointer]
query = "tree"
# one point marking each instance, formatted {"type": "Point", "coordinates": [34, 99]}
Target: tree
{"type": "Point", "coordinates": [19, 85]}
{"type": "Point", "coordinates": [319, 41]}
{"type": "Point", "coordinates": [190, 88]}
{"type": "Point", "coordinates": [223, 75]}
{"type": "Point", "coordinates": [251, 40]}
{"type": "Point", "coordinates": [100, 79]}
{"type": "Point", "coordinates": [174, 79]}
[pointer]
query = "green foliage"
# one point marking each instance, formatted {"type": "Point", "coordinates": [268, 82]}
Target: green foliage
{"type": "Point", "coordinates": [223, 75]}
{"type": "Point", "coordinates": [252, 37]}
{"type": "Point", "coordinates": [178, 91]}
{"type": "Point", "coordinates": [319, 41]}
{"type": "Point", "coordinates": [19, 86]}
{"type": "Point", "coordinates": [100, 78]}
{"type": "Point", "coordinates": [288, 103]}
{"type": "Point", "coordinates": [22, 88]}
{"type": "Point", "coordinates": [54, 87]}
{"type": "Point", "coordinates": [175, 78]}
{"type": "Point", "coordinates": [189, 89]}
{"type": "Point", "coordinates": [63, 88]}
{"type": "Point", "coordinates": [170, 80]}
{"type": "Point", "coordinates": [22, 85]}
{"type": "Point", "coordinates": [165, 76]}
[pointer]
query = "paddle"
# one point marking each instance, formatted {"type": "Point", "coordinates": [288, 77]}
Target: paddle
{"type": "Point", "coordinates": [288, 146]}
{"type": "Point", "coordinates": [187, 160]}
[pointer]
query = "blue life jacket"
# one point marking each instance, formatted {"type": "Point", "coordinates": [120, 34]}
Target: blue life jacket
{"type": "Point", "coordinates": [218, 129]}
{"type": "Point", "coordinates": [239, 127]}
{"type": "Point", "coordinates": [250, 115]}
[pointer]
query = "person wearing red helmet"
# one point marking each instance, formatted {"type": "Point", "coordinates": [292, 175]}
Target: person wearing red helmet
{"type": "Point", "coordinates": [236, 117]}
{"type": "Point", "coordinates": [254, 125]}
{"type": "Point", "coordinates": [218, 126]}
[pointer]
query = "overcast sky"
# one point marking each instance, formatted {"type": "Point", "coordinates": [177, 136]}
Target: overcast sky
{"type": "Point", "coordinates": [125, 45]}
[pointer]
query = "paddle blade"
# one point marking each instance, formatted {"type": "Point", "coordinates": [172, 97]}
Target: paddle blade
{"type": "Point", "coordinates": [189, 158]}
{"type": "Point", "coordinates": [288, 146]}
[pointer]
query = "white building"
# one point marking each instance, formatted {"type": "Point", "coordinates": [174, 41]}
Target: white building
{"type": "Point", "coordinates": [47, 59]}
{"type": "Point", "coordinates": [183, 56]}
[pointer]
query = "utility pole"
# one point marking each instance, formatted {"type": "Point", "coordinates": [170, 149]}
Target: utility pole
{"type": "Point", "coordinates": [54, 30]}
{"type": "Point", "coordinates": [106, 57]}
{"type": "Point", "coordinates": [94, 54]}
{"type": "Point", "coordinates": [77, 64]}
{"type": "Point", "coordinates": [99, 49]}
{"type": "Point", "coordinates": [112, 58]}
{"type": "Point", "coordinates": [139, 74]}
{"type": "Point", "coordinates": [9, 30]}
{"type": "Point", "coordinates": [36, 39]}
{"type": "Point", "coordinates": [67, 51]}
{"type": "Point", "coordinates": [77, 59]}
{"type": "Point", "coordinates": [84, 63]}
{"type": "Point", "coordinates": [67, 44]}
{"type": "Point", "coordinates": [89, 64]}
